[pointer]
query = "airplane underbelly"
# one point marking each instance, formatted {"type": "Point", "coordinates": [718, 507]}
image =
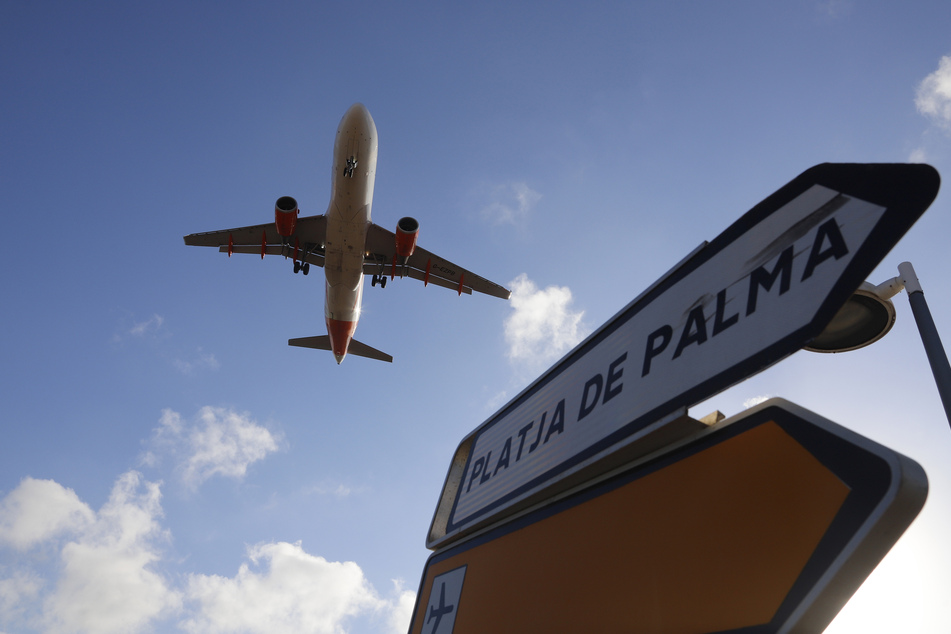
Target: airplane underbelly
{"type": "Point", "coordinates": [343, 264]}
{"type": "Point", "coordinates": [343, 255]}
{"type": "Point", "coordinates": [343, 303]}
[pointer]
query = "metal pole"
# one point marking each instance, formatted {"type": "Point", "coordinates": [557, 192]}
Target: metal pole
{"type": "Point", "coordinates": [929, 335]}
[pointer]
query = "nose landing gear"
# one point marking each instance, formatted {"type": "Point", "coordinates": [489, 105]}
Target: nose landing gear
{"type": "Point", "coordinates": [351, 165]}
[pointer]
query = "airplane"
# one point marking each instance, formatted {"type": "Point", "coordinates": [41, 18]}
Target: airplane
{"type": "Point", "coordinates": [346, 243]}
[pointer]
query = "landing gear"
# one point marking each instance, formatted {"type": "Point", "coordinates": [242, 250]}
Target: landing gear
{"type": "Point", "coordinates": [351, 165]}
{"type": "Point", "coordinates": [301, 266]}
{"type": "Point", "coordinates": [378, 279]}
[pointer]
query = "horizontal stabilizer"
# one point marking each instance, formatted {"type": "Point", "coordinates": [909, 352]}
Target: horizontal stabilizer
{"type": "Point", "coordinates": [322, 342]}
{"type": "Point", "coordinates": [317, 343]}
{"type": "Point", "coordinates": [363, 350]}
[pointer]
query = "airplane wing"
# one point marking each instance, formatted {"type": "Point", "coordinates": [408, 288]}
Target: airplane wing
{"type": "Point", "coordinates": [423, 265]}
{"type": "Point", "coordinates": [308, 239]}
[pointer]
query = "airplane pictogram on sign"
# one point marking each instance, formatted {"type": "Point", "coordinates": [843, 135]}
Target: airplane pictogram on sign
{"type": "Point", "coordinates": [444, 604]}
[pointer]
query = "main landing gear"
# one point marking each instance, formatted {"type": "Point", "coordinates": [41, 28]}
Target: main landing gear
{"type": "Point", "coordinates": [381, 279]}
{"type": "Point", "coordinates": [301, 266]}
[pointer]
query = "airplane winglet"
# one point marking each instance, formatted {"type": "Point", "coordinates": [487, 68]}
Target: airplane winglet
{"type": "Point", "coordinates": [356, 348]}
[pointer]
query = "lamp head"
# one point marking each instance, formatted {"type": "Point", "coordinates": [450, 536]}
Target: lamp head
{"type": "Point", "coordinates": [864, 319]}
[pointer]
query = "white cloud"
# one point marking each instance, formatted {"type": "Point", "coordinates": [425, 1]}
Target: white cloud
{"type": "Point", "coordinates": [542, 326]}
{"type": "Point", "coordinates": [496, 401]}
{"type": "Point", "coordinates": [201, 361]}
{"type": "Point", "coordinates": [511, 203]}
{"type": "Point", "coordinates": [153, 332]}
{"type": "Point", "coordinates": [400, 610]}
{"type": "Point", "coordinates": [934, 95]}
{"type": "Point", "coordinates": [221, 442]}
{"type": "Point", "coordinates": [226, 444]}
{"type": "Point", "coordinates": [105, 579]}
{"type": "Point", "coordinates": [285, 589]}
{"type": "Point", "coordinates": [149, 325]}
{"type": "Point", "coordinates": [37, 510]}
{"type": "Point", "coordinates": [754, 401]}
{"type": "Point", "coordinates": [150, 330]}
{"type": "Point", "coordinates": [17, 592]}
{"type": "Point", "coordinates": [110, 580]}
{"type": "Point", "coordinates": [107, 584]}
{"type": "Point", "coordinates": [339, 490]}
{"type": "Point", "coordinates": [918, 155]}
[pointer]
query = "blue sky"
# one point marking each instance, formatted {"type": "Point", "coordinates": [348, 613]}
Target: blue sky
{"type": "Point", "coordinates": [170, 464]}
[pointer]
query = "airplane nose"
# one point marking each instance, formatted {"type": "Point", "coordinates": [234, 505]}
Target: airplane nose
{"type": "Point", "coordinates": [358, 115]}
{"type": "Point", "coordinates": [339, 357]}
{"type": "Point", "coordinates": [358, 110]}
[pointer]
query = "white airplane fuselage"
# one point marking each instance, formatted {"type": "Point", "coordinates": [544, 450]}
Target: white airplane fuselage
{"type": "Point", "coordinates": [348, 216]}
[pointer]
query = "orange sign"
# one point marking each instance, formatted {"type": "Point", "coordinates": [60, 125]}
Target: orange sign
{"type": "Point", "coordinates": [769, 520]}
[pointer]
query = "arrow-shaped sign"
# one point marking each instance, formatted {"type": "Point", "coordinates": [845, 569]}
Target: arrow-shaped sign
{"type": "Point", "coordinates": [766, 523]}
{"type": "Point", "coordinates": [759, 292]}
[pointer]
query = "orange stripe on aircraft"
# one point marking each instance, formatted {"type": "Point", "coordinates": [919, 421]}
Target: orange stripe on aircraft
{"type": "Point", "coordinates": [340, 334]}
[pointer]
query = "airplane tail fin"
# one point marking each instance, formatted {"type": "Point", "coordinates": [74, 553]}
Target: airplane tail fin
{"type": "Point", "coordinates": [356, 348]}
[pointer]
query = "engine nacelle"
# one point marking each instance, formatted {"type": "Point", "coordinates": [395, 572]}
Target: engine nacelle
{"type": "Point", "coordinates": [406, 231]}
{"type": "Point", "coordinates": [285, 216]}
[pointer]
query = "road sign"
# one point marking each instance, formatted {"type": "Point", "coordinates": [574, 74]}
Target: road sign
{"type": "Point", "coordinates": [765, 523]}
{"type": "Point", "coordinates": [759, 292]}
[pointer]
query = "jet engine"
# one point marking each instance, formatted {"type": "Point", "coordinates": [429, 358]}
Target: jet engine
{"type": "Point", "coordinates": [406, 231]}
{"type": "Point", "coordinates": [285, 216]}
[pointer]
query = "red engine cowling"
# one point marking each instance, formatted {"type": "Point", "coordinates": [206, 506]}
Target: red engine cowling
{"type": "Point", "coordinates": [406, 231]}
{"type": "Point", "coordinates": [285, 216]}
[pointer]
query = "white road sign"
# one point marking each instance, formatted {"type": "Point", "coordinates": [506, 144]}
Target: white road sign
{"type": "Point", "coordinates": [759, 292]}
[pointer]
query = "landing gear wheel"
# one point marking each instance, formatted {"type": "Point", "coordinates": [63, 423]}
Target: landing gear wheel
{"type": "Point", "coordinates": [305, 267]}
{"type": "Point", "coordinates": [383, 281]}
{"type": "Point", "coordinates": [374, 280]}
{"type": "Point", "coordinates": [296, 266]}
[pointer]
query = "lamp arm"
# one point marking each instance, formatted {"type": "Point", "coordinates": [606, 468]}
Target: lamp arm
{"type": "Point", "coordinates": [889, 288]}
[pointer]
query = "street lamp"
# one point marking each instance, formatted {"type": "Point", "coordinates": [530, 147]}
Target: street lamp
{"type": "Point", "coordinates": [869, 314]}
{"type": "Point", "coordinates": [864, 319]}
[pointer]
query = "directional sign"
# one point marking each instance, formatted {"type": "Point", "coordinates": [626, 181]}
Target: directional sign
{"type": "Point", "coordinates": [766, 523]}
{"type": "Point", "coordinates": [759, 292]}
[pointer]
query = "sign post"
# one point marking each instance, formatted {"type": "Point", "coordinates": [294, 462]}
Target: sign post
{"type": "Point", "coordinates": [766, 522]}
{"type": "Point", "coordinates": [757, 293]}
